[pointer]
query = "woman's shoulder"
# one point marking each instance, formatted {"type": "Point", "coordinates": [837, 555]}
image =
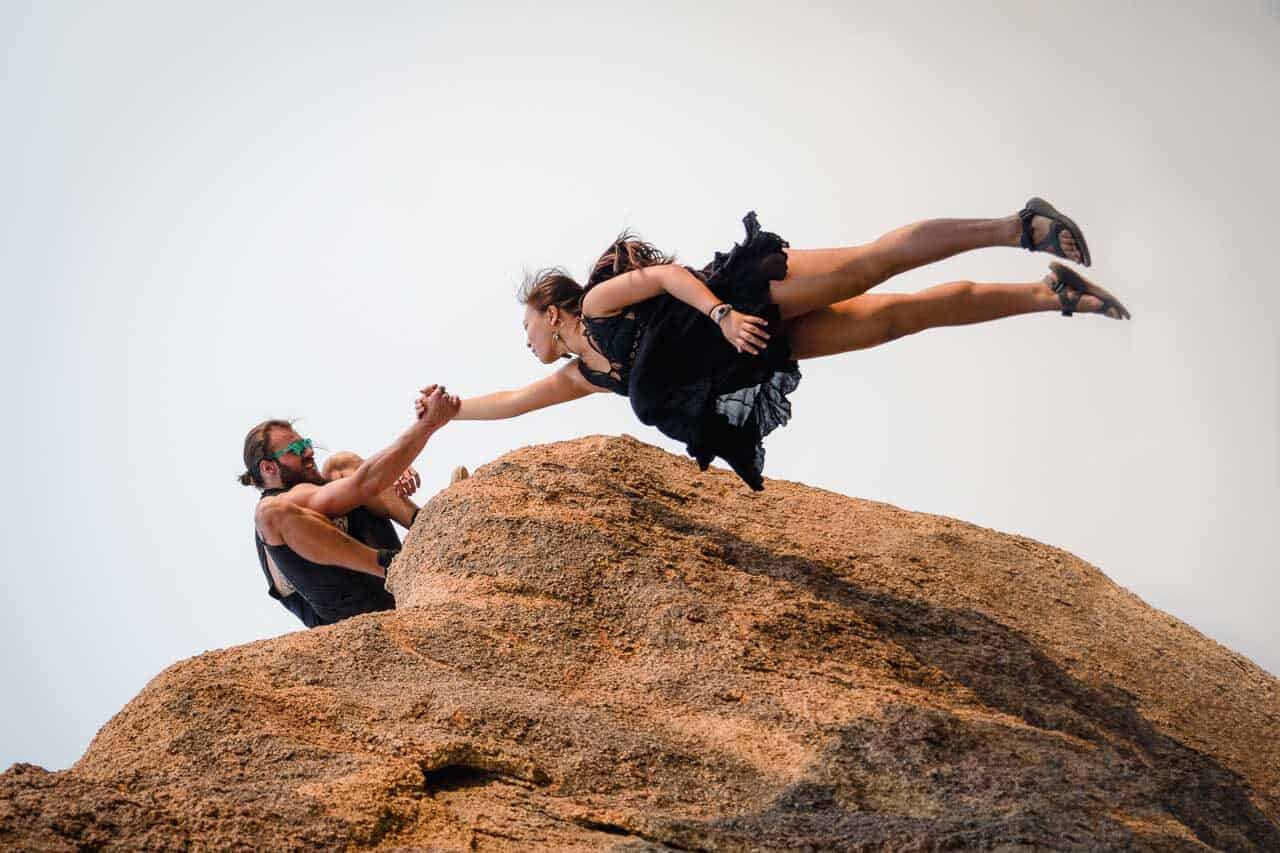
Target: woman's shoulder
{"type": "Point", "coordinates": [573, 371]}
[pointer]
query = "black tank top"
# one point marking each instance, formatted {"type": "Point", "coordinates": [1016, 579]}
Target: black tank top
{"type": "Point", "coordinates": [320, 594]}
{"type": "Point", "coordinates": [617, 338]}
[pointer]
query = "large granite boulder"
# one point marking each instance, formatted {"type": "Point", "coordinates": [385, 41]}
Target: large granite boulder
{"type": "Point", "coordinates": [600, 647]}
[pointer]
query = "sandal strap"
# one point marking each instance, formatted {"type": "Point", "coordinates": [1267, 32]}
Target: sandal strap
{"type": "Point", "coordinates": [1067, 295]}
{"type": "Point", "coordinates": [1053, 240]}
{"type": "Point", "coordinates": [1026, 215]}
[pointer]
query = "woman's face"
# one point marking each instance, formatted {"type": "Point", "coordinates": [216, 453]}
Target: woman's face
{"type": "Point", "coordinates": [538, 333]}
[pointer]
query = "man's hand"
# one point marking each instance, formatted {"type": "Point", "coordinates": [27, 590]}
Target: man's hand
{"type": "Point", "coordinates": [386, 469]}
{"type": "Point", "coordinates": [408, 483]}
{"type": "Point", "coordinates": [420, 404]}
{"type": "Point", "coordinates": [435, 407]}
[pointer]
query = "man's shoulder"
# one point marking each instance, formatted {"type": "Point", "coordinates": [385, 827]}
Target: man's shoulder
{"type": "Point", "coordinates": [297, 494]}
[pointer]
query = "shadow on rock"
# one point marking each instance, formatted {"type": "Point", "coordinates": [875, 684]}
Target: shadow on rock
{"type": "Point", "coordinates": [924, 774]}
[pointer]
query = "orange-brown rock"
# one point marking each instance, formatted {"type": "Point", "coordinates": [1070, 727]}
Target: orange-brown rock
{"type": "Point", "coordinates": [599, 647]}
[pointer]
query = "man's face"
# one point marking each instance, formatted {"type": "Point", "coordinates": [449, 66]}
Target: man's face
{"type": "Point", "coordinates": [294, 469]}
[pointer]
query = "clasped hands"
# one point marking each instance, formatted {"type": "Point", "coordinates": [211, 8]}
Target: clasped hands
{"type": "Point", "coordinates": [435, 407]}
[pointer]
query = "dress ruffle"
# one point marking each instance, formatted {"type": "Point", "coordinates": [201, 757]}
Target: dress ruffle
{"type": "Point", "coordinates": [720, 402]}
{"type": "Point", "coordinates": [744, 272]}
{"type": "Point", "coordinates": [683, 377]}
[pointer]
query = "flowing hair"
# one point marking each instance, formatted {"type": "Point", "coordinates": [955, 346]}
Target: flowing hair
{"type": "Point", "coordinates": [554, 286]}
{"type": "Point", "coordinates": [628, 252]}
{"type": "Point", "coordinates": [551, 286]}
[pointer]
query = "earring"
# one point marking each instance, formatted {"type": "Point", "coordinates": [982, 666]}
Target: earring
{"type": "Point", "coordinates": [555, 337]}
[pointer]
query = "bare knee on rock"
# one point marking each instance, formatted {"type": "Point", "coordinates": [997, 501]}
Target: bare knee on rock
{"type": "Point", "coordinates": [341, 464]}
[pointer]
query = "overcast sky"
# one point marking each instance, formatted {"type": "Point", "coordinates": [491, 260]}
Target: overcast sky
{"type": "Point", "coordinates": [309, 210]}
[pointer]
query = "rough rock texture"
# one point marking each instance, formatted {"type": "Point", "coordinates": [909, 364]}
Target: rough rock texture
{"type": "Point", "coordinates": [600, 647]}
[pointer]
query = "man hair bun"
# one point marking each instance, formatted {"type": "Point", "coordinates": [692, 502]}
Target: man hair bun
{"type": "Point", "coordinates": [246, 479]}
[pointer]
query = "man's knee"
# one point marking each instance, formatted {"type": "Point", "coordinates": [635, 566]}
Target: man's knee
{"type": "Point", "coordinates": [341, 464]}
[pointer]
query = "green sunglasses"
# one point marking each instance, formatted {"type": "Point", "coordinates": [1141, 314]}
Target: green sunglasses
{"type": "Point", "coordinates": [297, 447]}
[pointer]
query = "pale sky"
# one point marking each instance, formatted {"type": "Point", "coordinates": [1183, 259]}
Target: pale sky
{"type": "Point", "coordinates": [309, 210]}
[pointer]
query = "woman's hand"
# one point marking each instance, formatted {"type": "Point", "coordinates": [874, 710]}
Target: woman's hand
{"type": "Point", "coordinates": [435, 407]}
{"type": "Point", "coordinates": [745, 332]}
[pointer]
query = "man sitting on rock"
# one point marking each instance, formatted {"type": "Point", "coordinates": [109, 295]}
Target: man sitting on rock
{"type": "Point", "coordinates": [325, 540]}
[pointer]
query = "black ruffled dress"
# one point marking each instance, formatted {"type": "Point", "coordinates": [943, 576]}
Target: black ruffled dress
{"type": "Point", "coordinates": [683, 377]}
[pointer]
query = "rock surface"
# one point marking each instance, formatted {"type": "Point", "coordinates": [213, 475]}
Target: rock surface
{"type": "Point", "coordinates": [599, 647]}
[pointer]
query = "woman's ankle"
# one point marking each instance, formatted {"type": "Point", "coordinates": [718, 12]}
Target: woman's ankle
{"type": "Point", "coordinates": [1011, 231]}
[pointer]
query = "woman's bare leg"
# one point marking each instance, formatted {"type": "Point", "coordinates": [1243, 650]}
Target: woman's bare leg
{"type": "Point", "coordinates": [820, 277]}
{"type": "Point", "coordinates": [876, 318]}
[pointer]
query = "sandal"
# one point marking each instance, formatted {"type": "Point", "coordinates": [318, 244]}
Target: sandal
{"type": "Point", "coordinates": [1071, 287]}
{"type": "Point", "coordinates": [1059, 223]}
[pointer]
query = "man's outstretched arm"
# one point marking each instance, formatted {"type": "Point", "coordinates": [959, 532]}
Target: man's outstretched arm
{"type": "Point", "coordinates": [394, 503]}
{"type": "Point", "coordinates": [380, 471]}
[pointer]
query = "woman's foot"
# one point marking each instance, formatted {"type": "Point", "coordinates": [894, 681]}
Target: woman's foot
{"type": "Point", "coordinates": [1042, 228]}
{"type": "Point", "coordinates": [1077, 293]}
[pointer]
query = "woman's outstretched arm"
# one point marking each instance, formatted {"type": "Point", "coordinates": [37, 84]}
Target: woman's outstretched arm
{"type": "Point", "coordinates": [564, 385]}
{"type": "Point", "coordinates": [743, 331]}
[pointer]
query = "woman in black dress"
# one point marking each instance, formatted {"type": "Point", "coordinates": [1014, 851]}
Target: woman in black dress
{"type": "Point", "coordinates": [709, 356]}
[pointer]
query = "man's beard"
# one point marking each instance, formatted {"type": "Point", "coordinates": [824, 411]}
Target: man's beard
{"type": "Point", "coordinates": [306, 474]}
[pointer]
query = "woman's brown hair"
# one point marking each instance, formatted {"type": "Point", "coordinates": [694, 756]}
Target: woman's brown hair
{"type": "Point", "coordinates": [554, 286]}
{"type": "Point", "coordinates": [551, 286]}
{"type": "Point", "coordinates": [628, 252]}
{"type": "Point", "coordinates": [256, 445]}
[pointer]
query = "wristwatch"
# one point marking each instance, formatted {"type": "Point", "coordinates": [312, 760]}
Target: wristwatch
{"type": "Point", "coordinates": [718, 312]}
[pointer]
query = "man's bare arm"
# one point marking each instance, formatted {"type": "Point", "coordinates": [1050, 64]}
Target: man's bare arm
{"type": "Point", "coordinates": [394, 503]}
{"type": "Point", "coordinates": [379, 472]}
